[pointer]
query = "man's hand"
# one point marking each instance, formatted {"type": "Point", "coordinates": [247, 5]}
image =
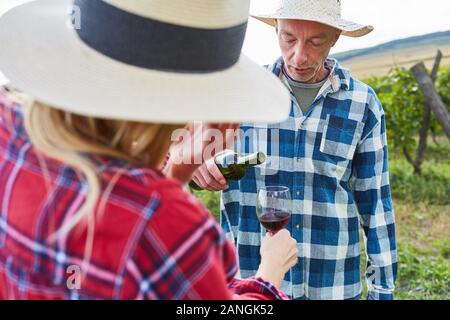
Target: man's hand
{"type": "Point", "coordinates": [209, 177]}
{"type": "Point", "coordinates": [196, 144]}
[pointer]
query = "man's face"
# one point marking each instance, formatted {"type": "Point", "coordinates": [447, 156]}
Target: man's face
{"type": "Point", "coordinates": [305, 45]}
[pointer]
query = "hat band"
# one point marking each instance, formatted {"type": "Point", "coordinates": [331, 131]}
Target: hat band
{"type": "Point", "coordinates": [152, 44]}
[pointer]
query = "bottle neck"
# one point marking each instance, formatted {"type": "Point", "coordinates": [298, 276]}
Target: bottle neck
{"type": "Point", "coordinates": [253, 159]}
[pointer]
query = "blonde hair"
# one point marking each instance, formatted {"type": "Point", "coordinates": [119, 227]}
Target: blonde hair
{"type": "Point", "coordinates": [69, 138]}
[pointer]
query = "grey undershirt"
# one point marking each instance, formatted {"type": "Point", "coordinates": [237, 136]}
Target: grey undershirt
{"type": "Point", "coordinates": [305, 93]}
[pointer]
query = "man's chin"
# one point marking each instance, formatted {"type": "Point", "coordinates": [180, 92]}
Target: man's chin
{"type": "Point", "coordinates": [304, 79]}
{"type": "Point", "coordinates": [301, 76]}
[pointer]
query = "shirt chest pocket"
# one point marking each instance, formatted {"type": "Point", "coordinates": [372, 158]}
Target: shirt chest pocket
{"type": "Point", "coordinates": [340, 137]}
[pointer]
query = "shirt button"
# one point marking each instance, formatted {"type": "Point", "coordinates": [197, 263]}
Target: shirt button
{"type": "Point", "coordinates": [297, 226]}
{"type": "Point", "coordinates": [298, 193]}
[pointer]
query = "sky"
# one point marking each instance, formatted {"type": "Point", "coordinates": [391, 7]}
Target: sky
{"type": "Point", "coordinates": [392, 19]}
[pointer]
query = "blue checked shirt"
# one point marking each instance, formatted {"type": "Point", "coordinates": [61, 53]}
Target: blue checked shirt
{"type": "Point", "coordinates": [334, 160]}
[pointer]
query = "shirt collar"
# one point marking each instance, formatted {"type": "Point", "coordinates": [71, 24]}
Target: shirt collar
{"type": "Point", "coordinates": [339, 78]}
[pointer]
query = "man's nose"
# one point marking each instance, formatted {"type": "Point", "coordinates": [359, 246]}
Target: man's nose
{"type": "Point", "coordinates": [300, 55]}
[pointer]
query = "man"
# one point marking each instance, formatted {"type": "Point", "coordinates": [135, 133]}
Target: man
{"type": "Point", "coordinates": [331, 153]}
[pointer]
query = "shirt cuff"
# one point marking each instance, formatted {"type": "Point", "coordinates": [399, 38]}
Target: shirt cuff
{"type": "Point", "coordinates": [374, 295]}
{"type": "Point", "coordinates": [256, 288]}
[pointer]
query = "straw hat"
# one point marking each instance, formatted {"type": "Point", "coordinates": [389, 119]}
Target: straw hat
{"type": "Point", "coordinates": [154, 60]}
{"type": "Point", "coordinates": [323, 11]}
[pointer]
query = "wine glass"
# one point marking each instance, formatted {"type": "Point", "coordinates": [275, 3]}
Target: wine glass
{"type": "Point", "coordinates": [274, 207]}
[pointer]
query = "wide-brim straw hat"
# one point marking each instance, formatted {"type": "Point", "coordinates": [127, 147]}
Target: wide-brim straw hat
{"type": "Point", "coordinates": [328, 12]}
{"type": "Point", "coordinates": [151, 61]}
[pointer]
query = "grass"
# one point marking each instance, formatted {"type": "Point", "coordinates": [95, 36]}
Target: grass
{"type": "Point", "coordinates": [423, 239]}
{"type": "Point", "coordinates": [211, 200]}
{"type": "Point", "coordinates": [422, 213]}
{"type": "Point", "coordinates": [432, 187]}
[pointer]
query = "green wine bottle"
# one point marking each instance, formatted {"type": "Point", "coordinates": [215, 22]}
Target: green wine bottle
{"type": "Point", "coordinates": [234, 167]}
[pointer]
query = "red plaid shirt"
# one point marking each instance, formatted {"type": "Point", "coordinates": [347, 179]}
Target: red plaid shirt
{"type": "Point", "coordinates": [154, 241]}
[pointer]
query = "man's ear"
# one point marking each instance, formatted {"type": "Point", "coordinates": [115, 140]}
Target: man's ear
{"type": "Point", "coordinates": [337, 36]}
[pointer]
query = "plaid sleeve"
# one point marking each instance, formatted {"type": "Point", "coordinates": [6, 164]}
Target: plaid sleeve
{"type": "Point", "coordinates": [229, 211]}
{"type": "Point", "coordinates": [194, 262]}
{"type": "Point", "coordinates": [256, 289]}
{"type": "Point", "coordinates": [252, 288]}
{"type": "Point", "coordinates": [372, 193]}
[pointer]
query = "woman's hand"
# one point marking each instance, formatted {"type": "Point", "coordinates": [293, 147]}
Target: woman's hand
{"type": "Point", "coordinates": [195, 144]}
{"type": "Point", "coordinates": [278, 254]}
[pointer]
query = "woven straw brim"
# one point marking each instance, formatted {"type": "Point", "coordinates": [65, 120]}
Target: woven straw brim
{"type": "Point", "coordinates": [348, 28]}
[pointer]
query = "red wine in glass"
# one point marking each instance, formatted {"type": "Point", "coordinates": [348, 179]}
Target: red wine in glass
{"type": "Point", "coordinates": [274, 220]}
{"type": "Point", "coordinates": [274, 207]}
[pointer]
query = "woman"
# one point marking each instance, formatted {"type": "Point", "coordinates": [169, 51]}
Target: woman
{"type": "Point", "coordinates": [85, 211]}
